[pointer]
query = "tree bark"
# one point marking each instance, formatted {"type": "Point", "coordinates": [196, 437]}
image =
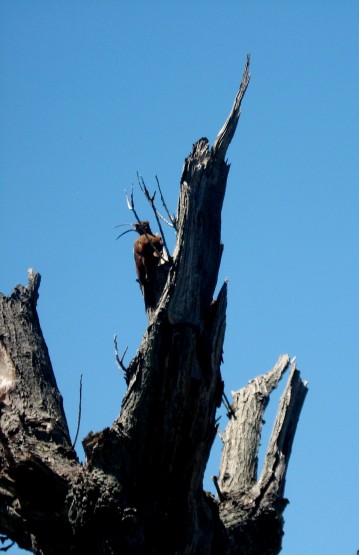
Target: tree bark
{"type": "Point", "coordinates": [140, 489]}
{"type": "Point", "coordinates": [252, 508]}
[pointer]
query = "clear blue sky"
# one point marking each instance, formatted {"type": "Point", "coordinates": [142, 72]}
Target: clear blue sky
{"type": "Point", "coordinates": [92, 92]}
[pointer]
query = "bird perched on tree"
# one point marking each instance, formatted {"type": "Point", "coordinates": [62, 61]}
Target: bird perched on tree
{"type": "Point", "coordinates": [147, 250]}
{"type": "Point", "coordinates": [148, 253]}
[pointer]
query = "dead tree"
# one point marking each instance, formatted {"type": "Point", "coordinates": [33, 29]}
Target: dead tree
{"type": "Point", "coordinates": [140, 489]}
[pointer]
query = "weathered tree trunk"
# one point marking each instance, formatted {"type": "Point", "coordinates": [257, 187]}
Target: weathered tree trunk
{"type": "Point", "coordinates": [140, 490]}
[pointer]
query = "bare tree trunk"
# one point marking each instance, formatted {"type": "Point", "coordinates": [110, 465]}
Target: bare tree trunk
{"type": "Point", "coordinates": [140, 490]}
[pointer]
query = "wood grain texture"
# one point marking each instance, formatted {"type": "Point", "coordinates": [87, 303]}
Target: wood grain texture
{"type": "Point", "coordinates": [143, 475]}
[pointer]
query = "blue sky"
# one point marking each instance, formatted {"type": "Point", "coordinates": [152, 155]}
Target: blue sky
{"type": "Point", "coordinates": [92, 92]}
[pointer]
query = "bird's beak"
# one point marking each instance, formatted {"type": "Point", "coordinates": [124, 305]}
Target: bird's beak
{"type": "Point", "coordinates": [121, 225]}
{"type": "Point", "coordinates": [124, 233]}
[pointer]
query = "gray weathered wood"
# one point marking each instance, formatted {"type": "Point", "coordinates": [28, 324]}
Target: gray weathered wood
{"type": "Point", "coordinates": [143, 475]}
{"type": "Point", "coordinates": [251, 507]}
{"type": "Point", "coordinates": [36, 458]}
{"type": "Point", "coordinates": [242, 437]}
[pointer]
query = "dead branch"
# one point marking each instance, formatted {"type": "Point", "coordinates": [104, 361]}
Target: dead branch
{"type": "Point", "coordinates": [145, 473]}
{"type": "Point", "coordinates": [243, 433]}
{"type": "Point", "coordinates": [172, 218]}
{"type": "Point", "coordinates": [118, 359]}
{"type": "Point", "coordinates": [252, 507]}
{"type": "Point", "coordinates": [79, 415]}
{"type": "Point", "coordinates": [280, 444]}
{"type": "Point", "coordinates": [228, 406]}
{"type": "Point", "coordinates": [228, 130]}
{"type": "Point", "coordinates": [150, 200]}
{"type": "Point", "coordinates": [131, 206]}
{"type": "Point", "coordinates": [221, 497]}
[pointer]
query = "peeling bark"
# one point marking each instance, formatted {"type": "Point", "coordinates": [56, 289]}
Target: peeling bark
{"type": "Point", "coordinates": [143, 475]}
{"type": "Point", "coordinates": [36, 457]}
{"type": "Point", "coordinates": [252, 508]}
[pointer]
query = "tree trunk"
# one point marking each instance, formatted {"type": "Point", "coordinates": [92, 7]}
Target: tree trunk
{"type": "Point", "coordinates": [140, 489]}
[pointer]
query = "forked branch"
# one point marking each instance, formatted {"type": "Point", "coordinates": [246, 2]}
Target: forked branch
{"type": "Point", "coordinates": [151, 201]}
{"type": "Point", "coordinates": [172, 218]}
{"type": "Point", "coordinates": [131, 206]}
{"type": "Point", "coordinates": [259, 503]}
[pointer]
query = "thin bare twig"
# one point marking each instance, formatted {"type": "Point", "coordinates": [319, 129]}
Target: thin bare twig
{"type": "Point", "coordinates": [219, 433]}
{"type": "Point", "coordinates": [7, 547]}
{"type": "Point", "coordinates": [130, 203]}
{"type": "Point", "coordinates": [79, 415]}
{"type": "Point", "coordinates": [163, 218]}
{"type": "Point", "coordinates": [227, 404]}
{"type": "Point", "coordinates": [221, 497]}
{"type": "Point", "coordinates": [131, 206]}
{"type": "Point", "coordinates": [118, 359]}
{"type": "Point", "coordinates": [171, 217]}
{"type": "Point", "coordinates": [152, 204]}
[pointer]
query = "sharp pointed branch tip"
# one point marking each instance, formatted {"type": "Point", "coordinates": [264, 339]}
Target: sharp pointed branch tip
{"type": "Point", "coordinates": [226, 134]}
{"type": "Point", "coordinates": [79, 415]}
{"type": "Point", "coordinates": [130, 203]}
{"type": "Point", "coordinates": [119, 360]}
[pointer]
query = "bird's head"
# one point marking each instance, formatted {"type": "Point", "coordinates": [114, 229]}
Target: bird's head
{"type": "Point", "coordinates": [143, 227]}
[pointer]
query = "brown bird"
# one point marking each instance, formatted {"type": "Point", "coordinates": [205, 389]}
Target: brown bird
{"type": "Point", "coordinates": [148, 252]}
